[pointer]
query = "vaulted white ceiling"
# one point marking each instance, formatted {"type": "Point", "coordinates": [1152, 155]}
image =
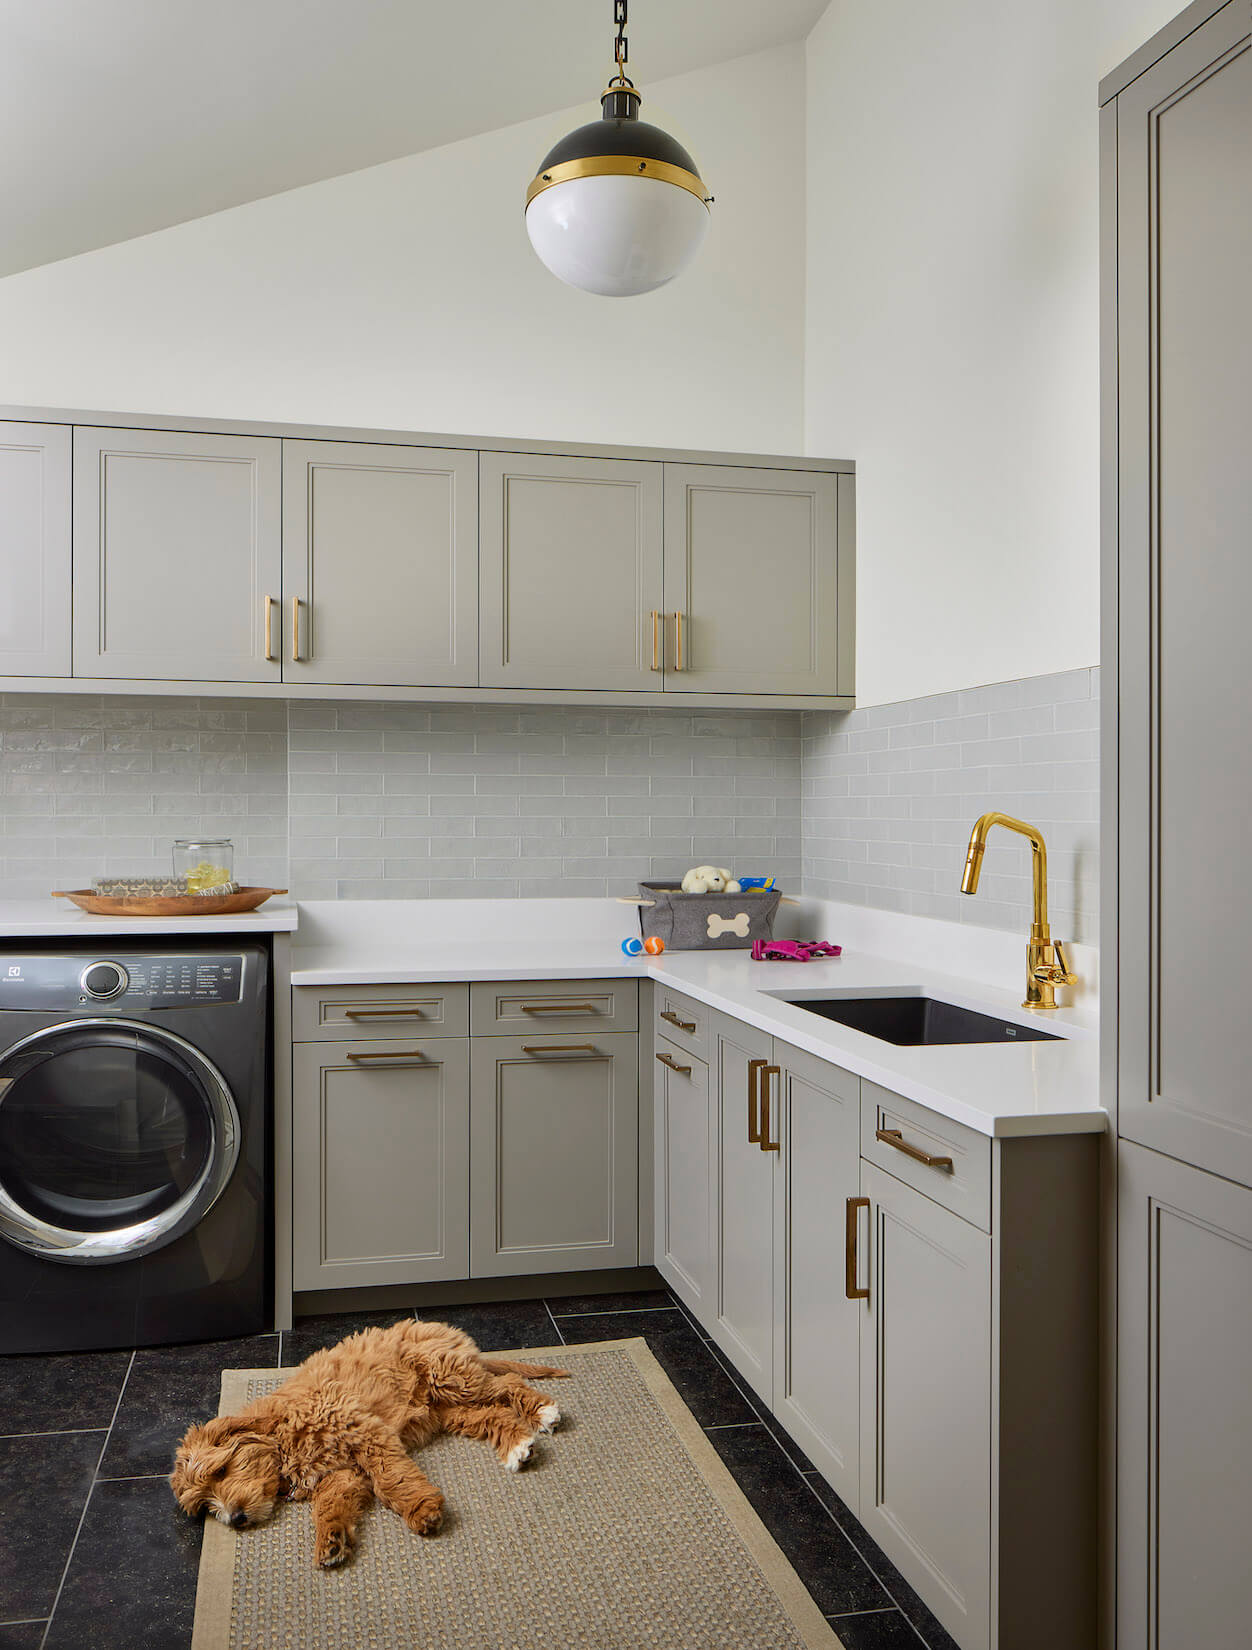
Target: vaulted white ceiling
{"type": "Point", "coordinates": [119, 117]}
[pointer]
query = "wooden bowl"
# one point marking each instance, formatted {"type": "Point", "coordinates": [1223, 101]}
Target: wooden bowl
{"type": "Point", "coordinates": [167, 905]}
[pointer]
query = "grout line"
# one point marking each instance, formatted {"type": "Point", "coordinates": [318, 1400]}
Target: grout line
{"type": "Point", "coordinates": [560, 1338]}
{"type": "Point", "coordinates": [87, 1502]}
{"type": "Point", "coordinates": [24, 1621]}
{"type": "Point", "coordinates": [613, 1312]}
{"type": "Point", "coordinates": [54, 1432]}
{"type": "Point", "coordinates": [851, 1615]}
{"type": "Point", "coordinates": [731, 1426]}
{"type": "Point", "coordinates": [133, 1478]}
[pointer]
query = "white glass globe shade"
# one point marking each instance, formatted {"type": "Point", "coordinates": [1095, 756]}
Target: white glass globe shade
{"type": "Point", "coordinates": [616, 235]}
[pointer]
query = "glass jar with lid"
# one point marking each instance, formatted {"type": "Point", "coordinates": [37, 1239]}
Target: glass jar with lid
{"type": "Point", "coordinates": [206, 862]}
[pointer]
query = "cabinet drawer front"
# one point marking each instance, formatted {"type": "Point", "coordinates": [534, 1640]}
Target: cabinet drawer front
{"type": "Point", "coordinates": [965, 1187]}
{"type": "Point", "coordinates": [682, 1020]}
{"type": "Point", "coordinates": [331, 1013]}
{"type": "Point", "coordinates": [524, 1006]}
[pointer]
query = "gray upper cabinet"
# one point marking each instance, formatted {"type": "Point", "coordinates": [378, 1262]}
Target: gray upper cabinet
{"type": "Point", "coordinates": [380, 564]}
{"type": "Point", "coordinates": [1183, 505]}
{"type": "Point", "coordinates": [177, 556]}
{"type": "Point", "coordinates": [751, 581]}
{"type": "Point", "coordinates": [34, 550]}
{"type": "Point", "coordinates": [571, 569]}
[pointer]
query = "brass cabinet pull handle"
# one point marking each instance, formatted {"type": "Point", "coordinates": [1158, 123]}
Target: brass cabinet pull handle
{"type": "Point", "coordinates": [559, 1008]}
{"type": "Point", "coordinates": [678, 641]}
{"type": "Point", "coordinates": [384, 1014]}
{"type": "Point", "coordinates": [850, 1287]}
{"type": "Point", "coordinates": [754, 1127]}
{"type": "Point", "coordinates": [894, 1137]}
{"type": "Point", "coordinates": [270, 655]}
{"type": "Point", "coordinates": [389, 1054]}
{"type": "Point", "coordinates": [295, 628]}
{"type": "Point", "coordinates": [562, 1048]}
{"type": "Point", "coordinates": [668, 1060]}
{"type": "Point", "coordinates": [656, 640]}
{"type": "Point", "coordinates": [768, 1145]}
{"type": "Point", "coordinates": [673, 1019]}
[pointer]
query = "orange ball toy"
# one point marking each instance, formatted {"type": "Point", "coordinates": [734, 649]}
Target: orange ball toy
{"type": "Point", "coordinates": [653, 946]}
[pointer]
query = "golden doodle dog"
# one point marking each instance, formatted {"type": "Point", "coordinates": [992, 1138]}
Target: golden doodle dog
{"type": "Point", "coordinates": [339, 1431]}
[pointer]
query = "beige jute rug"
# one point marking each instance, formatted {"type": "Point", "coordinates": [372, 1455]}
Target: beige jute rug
{"type": "Point", "coordinates": [624, 1532]}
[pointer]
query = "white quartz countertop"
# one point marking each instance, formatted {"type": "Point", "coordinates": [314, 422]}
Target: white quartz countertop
{"type": "Point", "coordinates": [58, 919]}
{"type": "Point", "coordinates": [997, 1088]}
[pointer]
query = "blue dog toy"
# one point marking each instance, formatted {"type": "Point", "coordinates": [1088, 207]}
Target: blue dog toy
{"type": "Point", "coordinates": [633, 947]}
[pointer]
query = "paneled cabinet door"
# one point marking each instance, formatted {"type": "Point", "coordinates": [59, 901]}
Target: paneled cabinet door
{"type": "Point", "coordinates": [1184, 501]}
{"type": "Point", "coordinates": [816, 1327]}
{"type": "Point", "coordinates": [34, 550]}
{"type": "Point", "coordinates": [177, 556]}
{"type": "Point", "coordinates": [555, 1122]}
{"type": "Point", "coordinates": [926, 1401]}
{"type": "Point", "coordinates": [684, 1230]}
{"type": "Point", "coordinates": [743, 1216]}
{"type": "Point", "coordinates": [571, 559]}
{"type": "Point", "coordinates": [380, 1162]}
{"type": "Point", "coordinates": [1184, 1406]}
{"type": "Point", "coordinates": [752, 589]}
{"type": "Point", "coordinates": [380, 564]}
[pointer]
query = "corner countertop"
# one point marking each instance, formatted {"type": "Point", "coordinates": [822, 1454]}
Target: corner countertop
{"type": "Point", "coordinates": [999, 1089]}
{"type": "Point", "coordinates": [58, 919]}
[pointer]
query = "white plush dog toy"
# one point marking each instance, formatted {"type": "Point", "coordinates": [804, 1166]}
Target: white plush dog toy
{"type": "Point", "coordinates": [710, 879]}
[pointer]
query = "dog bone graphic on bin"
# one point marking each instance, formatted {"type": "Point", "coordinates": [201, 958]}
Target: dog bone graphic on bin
{"type": "Point", "coordinates": [737, 925]}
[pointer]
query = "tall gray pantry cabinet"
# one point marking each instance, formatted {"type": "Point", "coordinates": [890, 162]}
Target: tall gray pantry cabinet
{"type": "Point", "coordinates": [1177, 273]}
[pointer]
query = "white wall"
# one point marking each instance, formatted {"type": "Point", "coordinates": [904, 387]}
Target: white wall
{"type": "Point", "coordinates": [408, 296]}
{"type": "Point", "coordinates": [952, 324]}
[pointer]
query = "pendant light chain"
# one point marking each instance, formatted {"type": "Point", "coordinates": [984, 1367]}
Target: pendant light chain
{"type": "Point", "coordinates": [621, 52]}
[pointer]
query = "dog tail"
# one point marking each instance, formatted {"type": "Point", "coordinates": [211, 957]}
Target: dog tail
{"type": "Point", "coordinates": [510, 1366]}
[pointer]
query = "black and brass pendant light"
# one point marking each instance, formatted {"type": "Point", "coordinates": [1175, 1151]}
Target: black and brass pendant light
{"type": "Point", "coordinates": [617, 207]}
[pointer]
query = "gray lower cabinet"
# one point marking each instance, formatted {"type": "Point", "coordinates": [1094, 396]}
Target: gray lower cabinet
{"type": "Point", "coordinates": [554, 1141]}
{"type": "Point", "coordinates": [35, 547]}
{"type": "Point", "coordinates": [380, 564]}
{"type": "Point", "coordinates": [1184, 1406]}
{"type": "Point", "coordinates": [683, 1147]}
{"type": "Point", "coordinates": [381, 1162]}
{"type": "Point", "coordinates": [177, 556]}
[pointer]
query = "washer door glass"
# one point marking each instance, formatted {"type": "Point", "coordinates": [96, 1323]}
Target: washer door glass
{"type": "Point", "coordinates": [115, 1137]}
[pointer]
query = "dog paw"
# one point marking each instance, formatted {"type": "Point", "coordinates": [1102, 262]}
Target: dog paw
{"type": "Point", "coordinates": [549, 1418]}
{"type": "Point", "coordinates": [426, 1517]}
{"type": "Point", "coordinates": [335, 1547]}
{"type": "Point", "coordinates": [518, 1456]}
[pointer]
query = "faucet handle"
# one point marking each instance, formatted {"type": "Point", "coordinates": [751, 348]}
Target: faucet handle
{"type": "Point", "coordinates": [1057, 972]}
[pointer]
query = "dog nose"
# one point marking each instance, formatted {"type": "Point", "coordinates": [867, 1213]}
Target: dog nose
{"type": "Point", "coordinates": [238, 1520]}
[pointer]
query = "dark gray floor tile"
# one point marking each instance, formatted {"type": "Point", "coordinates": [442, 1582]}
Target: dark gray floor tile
{"type": "Point", "coordinates": [701, 1382]}
{"type": "Point", "coordinates": [822, 1556]}
{"type": "Point", "coordinates": [44, 1483]}
{"type": "Point", "coordinates": [640, 1300]}
{"type": "Point", "coordinates": [935, 1636]}
{"type": "Point", "coordinates": [21, 1635]}
{"type": "Point", "coordinates": [498, 1326]}
{"type": "Point", "coordinates": [313, 1334]}
{"type": "Point", "coordinates": [789, 1446]}
{"type": "Point", "coordinates": [168, 1389]}
{"type": "Point", "coordinates": [132, 1582]}
{"type": "Point", "coordinates": [60, 1391]}
{"type": "Point", "coordinates": [884, 1630]}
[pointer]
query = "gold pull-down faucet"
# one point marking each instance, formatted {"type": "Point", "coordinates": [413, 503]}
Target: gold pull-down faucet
{"type": "Point", "coordinates": [1046, 967]}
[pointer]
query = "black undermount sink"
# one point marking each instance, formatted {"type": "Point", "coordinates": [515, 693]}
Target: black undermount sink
{"type": "Point", "coordinates": [919, 1021]}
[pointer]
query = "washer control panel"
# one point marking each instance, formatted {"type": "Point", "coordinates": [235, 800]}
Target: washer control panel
{"type": "Point", "coordinates": [147, 980]}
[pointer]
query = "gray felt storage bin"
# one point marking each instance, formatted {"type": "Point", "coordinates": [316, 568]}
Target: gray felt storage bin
{"type": "Point", "coordinates": [707, 922]}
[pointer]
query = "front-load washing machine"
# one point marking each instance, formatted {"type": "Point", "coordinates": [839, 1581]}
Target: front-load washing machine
{"type": "Point", "coordinates": [134, 1142]}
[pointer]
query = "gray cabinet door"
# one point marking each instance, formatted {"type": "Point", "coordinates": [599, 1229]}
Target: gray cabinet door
{"type": "Point", "coordinates": [34, 549]}
{"type": "Point", "coordinates": [380, 556]}
{"type": "Point", "coordinates": [177, 556]}
{"type": "Point", "coordinates": [751, 580]}
{"type": "Point", "coordinates": [926, 1401]}
{"type": "Point", "coordinates": [743, 1215]}
{"type": "Point", "coordinates": [1184, 1406]}
{"type": "Point", "coordinates": [817, 1329]}
{"type": "Point", "coordinates": [571, 558]}
{"type": "Point", "coordinates": [554, 1133]}
{"type": "Point", "coordinates": [380, 1143]}
{"type": "Point", "coordinates": [1184, 502]}
{"type": "Point", "coordinates": [683, 1250]}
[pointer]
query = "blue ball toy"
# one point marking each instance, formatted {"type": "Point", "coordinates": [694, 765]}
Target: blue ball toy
{"type": "Point", "coordinates": [633, 947]}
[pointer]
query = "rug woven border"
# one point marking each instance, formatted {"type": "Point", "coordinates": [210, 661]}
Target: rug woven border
{"type": "Point", "coordinates": [215, 1586]}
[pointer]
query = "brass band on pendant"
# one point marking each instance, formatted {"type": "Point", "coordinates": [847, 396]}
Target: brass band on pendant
{"type": "Point", "coordinates": [605, 166]}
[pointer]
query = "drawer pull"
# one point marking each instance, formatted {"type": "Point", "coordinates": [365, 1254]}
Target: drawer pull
{"type": "Point", "coordinates": [389, 1054]}
{"type": "Point", "coordinates": [768, 1145]}
{"type": "Point", "coordinates": [562, 1048]}
{"type": "Point", "coordinates": [559, 1008]}
{"type": "Point", "coordinates": [668, 1060]}
{"type": "Point", "coordinates": [755, 1067]}
{"type": "Point", "coordinates": [674, 1020]}
{"type": "Point", "coordinates": [384, 1014]}
{"type": "Point", "coordinates": [270, 655]}
{"type": "Point", "coordinates": [894, 1137]}
{"type": "Point", "coordinates": [851, 1268]}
